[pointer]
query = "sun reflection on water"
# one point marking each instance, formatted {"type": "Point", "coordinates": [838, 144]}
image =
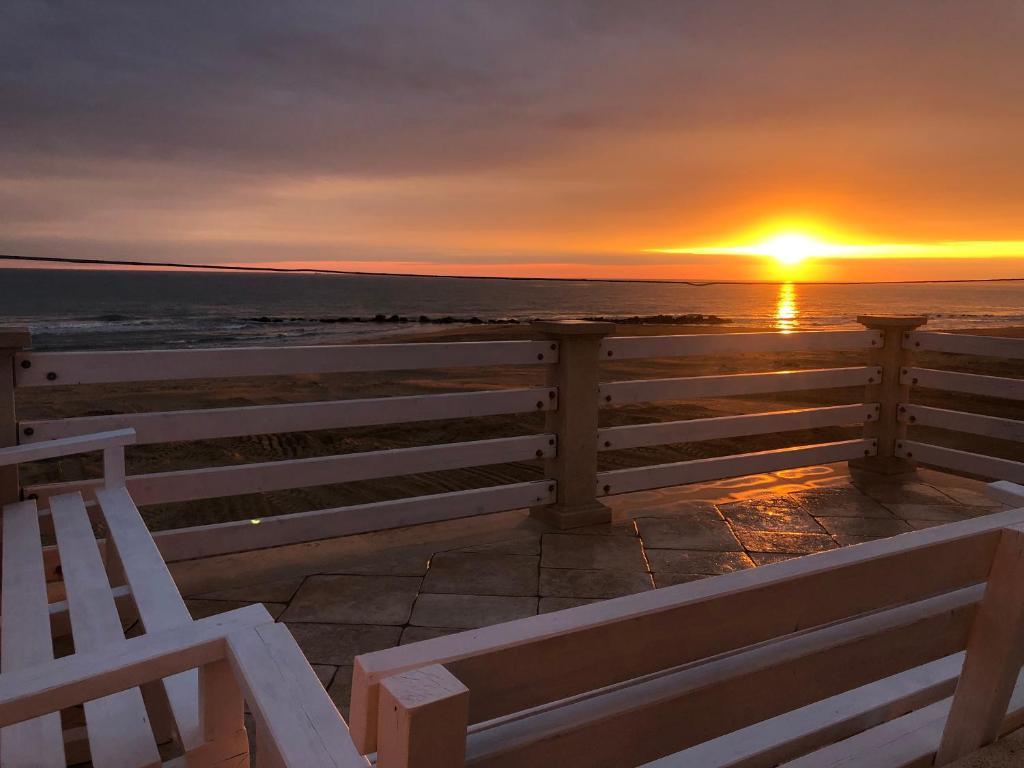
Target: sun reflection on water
{"type": "Point", "coordinates": [787, 312]}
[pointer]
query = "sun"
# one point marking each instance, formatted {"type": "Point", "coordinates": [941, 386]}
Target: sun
{"type": "Point", "coordinates": [790, 248]}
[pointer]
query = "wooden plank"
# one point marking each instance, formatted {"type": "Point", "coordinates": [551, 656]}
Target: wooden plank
{"type": "Point", "coordinates": [693, 387]}
{"type": "Point", "coordinates": [702, 470]}
{"type": "Point", "coordinates": [25, 636]}
{"type": "Point", "coordinates": [60, 621]}
{"type": "Point", "coordinates": [909, 741]}
{"type": "Point", "coordinates": [961, 421]}
{"type": "Point", "coordinates": [646, 719]}
{"type": "Point", "coordinates": [1006, 492]}
{"type": "Point", "coordinates": [632, 347]}
{"type": "Point", "coordinates": [261, 477]}
{"type": "Point", "coordinates": [51, 449]}
{"type": "Point", "coordinates": [965, 344]}
{"type": "Point", "coordinates": [292, 710]}
{"type": "Point", "coordinates": [68, 368]}
{"type": "Point", "coordinates": [532, 661]}
{"type": "Point", "coordinates": [971, 383]}
{"type": "Point", "coordinates": [694, 430]}
{"type": "Point", "coordinates": [962, 461]}
{"type": "Point", "coordinates": [787, 736]}
{"type": "Point", "coordinates": [211, 423]}
{"type": "Point", "coordinates": [995, 653]}
{"type": "Point", "coordinates": [119, 730]}
{"type": "Point", "coordinates": [157, 599]}
{"type": "Point", "coordinates": [423, 719]}
{"type": "Point", "coordinates": [222, 715]}
{"type": "Point", "coordinates": [88, 675]}
{"type": "Point", "coordinates": [259, 533]}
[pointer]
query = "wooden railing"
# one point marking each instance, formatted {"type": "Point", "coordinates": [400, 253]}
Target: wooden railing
{"type": "Point", "coordinates": [572, 398]}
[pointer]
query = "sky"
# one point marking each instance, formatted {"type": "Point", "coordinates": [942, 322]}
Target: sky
{"type": "Point", "coordinates": [560, 139]}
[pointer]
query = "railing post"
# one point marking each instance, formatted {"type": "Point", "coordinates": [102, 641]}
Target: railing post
{"type": "Point", "coordinates": [12, 341]}
{"type": "Point", "coordinates": [574, 465]}
{"type": "Point", "coordinates": [889, 393]}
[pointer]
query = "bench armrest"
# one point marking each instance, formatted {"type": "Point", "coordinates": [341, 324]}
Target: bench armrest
{"type": "Point", "coordinates": [111, 443]}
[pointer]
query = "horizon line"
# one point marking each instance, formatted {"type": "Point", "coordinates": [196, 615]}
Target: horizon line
{"type": "Point", "coordinates": [170, 265]}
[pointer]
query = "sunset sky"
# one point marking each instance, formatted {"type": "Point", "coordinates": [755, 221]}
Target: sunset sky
{"type": "Point", "coordinates": [847, 140]}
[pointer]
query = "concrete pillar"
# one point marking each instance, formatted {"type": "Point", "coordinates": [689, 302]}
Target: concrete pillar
{"type": "Point", "coordinates": [574, 466]}
{"type": "Point", "coordinates": [889, 393]}
{"type": "Point", "coordinates": [12, 341]}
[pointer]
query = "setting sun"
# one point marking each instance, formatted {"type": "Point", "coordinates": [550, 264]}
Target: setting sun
{"type": "Point", "coordinates": [791, 248]}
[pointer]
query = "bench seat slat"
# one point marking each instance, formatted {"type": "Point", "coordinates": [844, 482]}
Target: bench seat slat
{"type": "Point", "coordinates": [119, 730]}
{"type": "Point", "coordinates": [25, 636]}
{"type": "Point", "coordinates": [157, 599]}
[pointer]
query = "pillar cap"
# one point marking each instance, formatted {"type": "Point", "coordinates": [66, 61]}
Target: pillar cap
{"type": "Point", "coordinates": [892, 321]}
{"type": "Point", "coordinates": [15, 337]}
{"type": "Point", "coordinates": [573, 327]}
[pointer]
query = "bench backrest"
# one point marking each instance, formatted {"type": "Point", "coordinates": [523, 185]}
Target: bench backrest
{"type": "Point", "coordinates": [775, 638]}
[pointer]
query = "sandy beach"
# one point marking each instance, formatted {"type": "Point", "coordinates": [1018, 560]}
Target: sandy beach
{"type": "Point", "coordinates": [57, 402]}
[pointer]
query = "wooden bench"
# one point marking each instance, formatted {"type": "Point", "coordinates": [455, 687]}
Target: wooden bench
{"type": "Point", "coordinates": [91, 590]}
{"type": "Point", "coordinates": [892, 653]}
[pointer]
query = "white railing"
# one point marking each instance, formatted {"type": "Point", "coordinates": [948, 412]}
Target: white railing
{"type": "Point", "coordinates": [997, 387]}
{"type": "Point", "coordinates": [570, 442]}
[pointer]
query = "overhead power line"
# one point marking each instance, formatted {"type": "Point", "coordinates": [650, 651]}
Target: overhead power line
{"type": "Point", "coordinates": [368, 273]}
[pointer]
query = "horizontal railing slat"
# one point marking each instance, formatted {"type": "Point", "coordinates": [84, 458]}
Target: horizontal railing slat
{"type": "Point", "coordinates": [691, 387]}
{"type": "Point", "coordinates": [39, 369]}
{"type": "Point", "coordinates": [632, 347]}
{"type": "Point", "coordinates": [243, 535]}
{"type": "Point", "coordinates": [240, 479]}
{"type": "Point", "coordinates": [965, 344]}
{"type": "Point", "coordinates": [694, 430]}
{"type": "Point", "coordinates": [210, 423]}
{"type": "Point", "coordinates": [961, 421]}
{"type": "Point", "coordinates": [970, 383]}
{"type": "Point", "coordinates": [702, 470]}
{"type": "Point", "coordinates": [962, 461]}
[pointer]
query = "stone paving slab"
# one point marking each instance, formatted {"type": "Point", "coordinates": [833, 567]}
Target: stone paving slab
{"type": "Point", "coordinates": [566, 582]}
{"type": "Point", "coordinates": [569, 550]}
{"type": "Point", "coordinates": [702, 529]}
{"type": "Point", "coordinates": [774, 541]}
{"type": "Point", "coordinates": [943, 513]}
{"type": "Point", "coordinates": [906, 493]}
{"type": "Point", "coordinates": [874, 527]}
{"type": "Point", "coordinates": [482, 573]}
{"type": "Point", "coordinates": [669, 579]}
{"type": "Point", "coordinates": [841, 502]}
{"type": "Point", "coordinates": [697, 561]}
{"type": "Point", "coordinates": [200, 609]}
{"type": "Point", "coordinates": [338, 644]}
{"type": "Point", "coordinates": [780, 513]}
{"type": "Point", "coordinates": [552, 604]}
{"type": "Point", "coordinates": [413, 634]}
{"type": "Point", "coordinates": [470, 611]}
{"type": "Point", "coordinates": [354, 600]}
{"type": "Point", "coordinates": [272, 591]}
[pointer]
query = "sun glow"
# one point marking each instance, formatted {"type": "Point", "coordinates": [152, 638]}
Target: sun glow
{"type": "Point", "coordinates": [790, 248]}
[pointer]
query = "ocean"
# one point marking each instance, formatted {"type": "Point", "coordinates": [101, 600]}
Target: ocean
{"type": "Point", "coordinates": [107, 309]}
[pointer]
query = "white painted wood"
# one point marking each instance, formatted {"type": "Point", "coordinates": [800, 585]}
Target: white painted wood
{"type": "Point", "coordinates": [909, 741]}
{"type": "Point", "coordinates": [995, 653]}
{"type": "Point", "coordinates": [1006, 492]}
{"type": "Point", "coordinates": [646, 719]}
{"type": "Point", "coordinates": [210, 423]}
{"type": "Point", "coordinates": [25, 636]}
{"type": "Point", "coordinates": [60, 621]}
{"type": "Point", "coordinates": [971, 383]}
{"type": "Point", "coordinates": [156, 597]}
{"type": "Point", "coordinates": [68, 368]}
{"type": "Point", "coordinates": [119, 730]}
{"type": "Point", "coordinates": [187, 485]}
{"type": "Point", "coordinates": [242, 535]}
{"type": "Point", "coordinates": [965, 344]}
{"type": "Point", "coordinates": [701, 470]}
{"type": "Point", "coordinates": [962, 461]}
{"type": "Point", "coordinates": [693, 387]}
{"type": "Point", "coordinates": [293, 712]}
{"type": "Point", "coordinates": [423, 718]}
{"type": "Point", "coordinates": [221, 712]}
{"type": "Point", "coordinates": [961, 421]}
{"type": "Point", "coordinates": [20, 454]}
{"type": "Point", "coordinates": [631, 347]}
{"type": "Point", "coordinates": [87, 675]}
{"type": "Point", "coordinates": [509, 667]}
{"type": "Point", "coordinates": [694, 430]}
{"type": "Point", "coordinates": [803, 730]}
{"type": "Point", "coordinates": [113, 467]}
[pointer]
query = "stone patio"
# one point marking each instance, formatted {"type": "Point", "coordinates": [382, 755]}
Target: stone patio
{"type": "Point", "coordinates": [343, 597]}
